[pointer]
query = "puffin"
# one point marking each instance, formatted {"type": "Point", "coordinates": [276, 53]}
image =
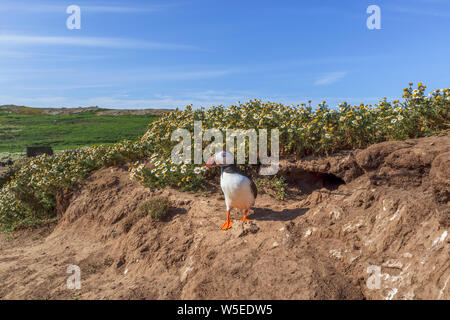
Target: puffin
{"type": "Point", "coordinates": [239, 190]}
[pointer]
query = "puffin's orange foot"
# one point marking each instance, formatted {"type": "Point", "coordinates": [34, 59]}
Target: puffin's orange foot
{"type": "Point", "coordinates": [227, 225]}
{"type": "Point", "coordinates": [245, 219]}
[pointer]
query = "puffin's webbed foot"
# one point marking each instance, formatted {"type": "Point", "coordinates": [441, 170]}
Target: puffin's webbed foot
{"type": "Point", "coordinates": [228, 223]}
{"type": "Point", "coordinates": [245, 216]}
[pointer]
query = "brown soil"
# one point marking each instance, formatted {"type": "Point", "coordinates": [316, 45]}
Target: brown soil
{"type": "Point", "coordinates": [386, 206]}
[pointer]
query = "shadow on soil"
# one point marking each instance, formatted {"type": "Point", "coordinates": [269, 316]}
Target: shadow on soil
{"type": "Point", "coordinates": [284, 215]}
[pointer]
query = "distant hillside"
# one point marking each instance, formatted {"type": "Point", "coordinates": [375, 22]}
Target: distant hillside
{"type": "Point", "coordinates": [63, 111]}
{"type": "Point", "coordinates": [65, 128]}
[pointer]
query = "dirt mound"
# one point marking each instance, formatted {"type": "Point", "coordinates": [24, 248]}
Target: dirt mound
{"type": "Point", "coordinates": [384, 208]}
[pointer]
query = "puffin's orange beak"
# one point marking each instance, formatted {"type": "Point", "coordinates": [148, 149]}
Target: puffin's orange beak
{"type": "Point", "coordinates": [211, 162]}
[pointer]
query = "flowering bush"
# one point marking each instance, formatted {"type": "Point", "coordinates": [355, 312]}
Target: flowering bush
{"type": "Point", "coordinates": [320, 131]}
{"type": "Point", "coordinates": [165, 172]}
{"type": "Point", "coordinates": [29, 195]}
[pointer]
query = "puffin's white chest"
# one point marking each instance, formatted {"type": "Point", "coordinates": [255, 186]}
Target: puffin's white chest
{"type": "Point", "coordinates": [237, 191]}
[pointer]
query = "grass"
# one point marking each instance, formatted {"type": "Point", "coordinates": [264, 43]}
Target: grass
{"type": "Point", "coordinates": [157, 207]}
{"type": "Point", "coordinates": [108, 262]}
{"type": "Point", "coordinates": [13, 156]}
{"type": "Point", "coordinates": [62, 132]}
{"type": "Point", "coordinates": [274, 186]}
{"type": "Point", "coordinates": [76, 296]}
{"type": "Point", "coordinates": [92, 268]}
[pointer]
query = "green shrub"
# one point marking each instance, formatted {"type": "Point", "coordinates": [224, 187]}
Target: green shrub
{"type": "Point", "coordinates": [157, 207]}
{"type": "Point", "coordinates": [274, 186]}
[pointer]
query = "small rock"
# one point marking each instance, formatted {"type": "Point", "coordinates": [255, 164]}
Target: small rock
{"type": "Point", "coordinates": [336, 254]}
{"type": "Point", "coordinates": [183, 202]}
{"type": "Point", "coordinates": [336, 213]}
{"type": "Point", "coordinates": [242, 228]}
{"type": "Point", "coordinates": [407, 255]}
{"type": "Point", "coordinates": [275, 244]}
{"type": "Point", "coordinates": [393, 264]}
{"type": "Point", "coordinates": [114, 234]}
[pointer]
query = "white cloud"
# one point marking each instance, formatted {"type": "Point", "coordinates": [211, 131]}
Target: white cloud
{"type": "Point", "coordinates": [54, 8]}
{"type": "Point", "coordinates": [330, 78]}
{"type": "Point", "coordinates": [33, 102]}
{"type": "Point", "coordinates": [115, 9]}
{"type": "Point", "coordinates": [17, 54]}
{"type": "Point", "coordinates": [97, 42]}
{"type": "Point", "coordinates": [104, 78]}
{"type": "Point", "coordinates": [188, 75]}
{"type": "Point", "coordinates": [180, 99]}
{"type": "Point", "coordinates": [407, 10]}
{"type": "Point", "coordinates": [120, 101]}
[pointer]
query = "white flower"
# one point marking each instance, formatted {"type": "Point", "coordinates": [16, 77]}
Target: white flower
{"type": "Point", "coordinates": [197, 170]}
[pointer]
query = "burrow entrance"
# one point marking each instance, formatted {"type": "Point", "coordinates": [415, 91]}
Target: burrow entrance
{"type": "Point", "coordinates": [308, 182]}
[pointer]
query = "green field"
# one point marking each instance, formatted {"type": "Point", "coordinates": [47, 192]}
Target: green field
{"type": "Point", "coordinates": [62, 132]}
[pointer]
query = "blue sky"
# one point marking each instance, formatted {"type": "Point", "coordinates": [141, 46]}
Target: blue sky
{"type": "Point", "coordinates": [166, 54]}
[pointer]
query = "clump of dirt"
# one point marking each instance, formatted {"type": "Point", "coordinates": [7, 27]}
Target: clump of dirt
{"type": "Point", "coordinates": [366, 224]}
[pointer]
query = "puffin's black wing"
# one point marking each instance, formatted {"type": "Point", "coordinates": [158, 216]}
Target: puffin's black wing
{"type": "Point", "coordinates": [254, 188]}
